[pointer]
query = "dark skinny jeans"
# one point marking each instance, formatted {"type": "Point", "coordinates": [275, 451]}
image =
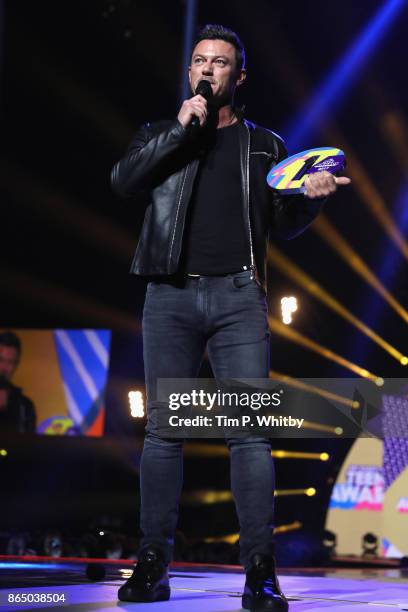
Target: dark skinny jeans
{"type": "Point", "coordinates": [228, 316]}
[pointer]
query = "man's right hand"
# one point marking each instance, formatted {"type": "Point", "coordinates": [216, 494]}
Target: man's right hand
{"type": "Point", "coordinates": [194, 107]}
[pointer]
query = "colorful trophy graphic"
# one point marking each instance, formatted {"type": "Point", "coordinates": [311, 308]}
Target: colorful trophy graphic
{"type": "Point", "coordinates": [289, 175]}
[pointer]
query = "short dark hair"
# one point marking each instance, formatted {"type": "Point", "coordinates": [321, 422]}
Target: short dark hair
{"type": "Point", "coordinates": [213, 31]}
{"type": "Point", "coordinates": [9, 338]}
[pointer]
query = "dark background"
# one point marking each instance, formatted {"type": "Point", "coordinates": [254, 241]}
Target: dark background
{"type": "Point", "coordinates": [78, 78]}
{"type": "Point", "coordinates": [77, 82]}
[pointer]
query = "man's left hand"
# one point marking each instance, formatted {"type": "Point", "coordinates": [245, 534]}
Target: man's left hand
{"type": "Point", "coordinates": [322, 184]}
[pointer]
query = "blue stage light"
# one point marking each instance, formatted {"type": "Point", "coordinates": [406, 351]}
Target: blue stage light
{"type": "Point", "coordinates": [333, 89]}
{"type": "Point", "coordinates": [391, 262]}
{"type": "Point", "coordinates": [190, 24]}
{"type": "Point", "coordinates": [30, 566]}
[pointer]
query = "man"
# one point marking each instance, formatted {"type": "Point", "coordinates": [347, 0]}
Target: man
{"type": "Point", "coordinates": [17, 412]}
{"type": "Point", "coordinates": [203, 244]}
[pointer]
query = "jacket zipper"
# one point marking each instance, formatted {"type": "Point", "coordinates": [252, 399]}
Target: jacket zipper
{"type": "Point", "coordinates": [247, 199]}
{"type": "Point", "coordinates": [177, 213]}
{"type": "Point", "coordinates": [269, 155]}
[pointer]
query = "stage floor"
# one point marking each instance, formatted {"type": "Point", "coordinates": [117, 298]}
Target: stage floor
{"type": "Point", "coordinates": [197, 587]}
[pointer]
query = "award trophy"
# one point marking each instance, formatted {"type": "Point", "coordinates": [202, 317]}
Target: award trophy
{"type": "Point", "coordinates": [288, 177]}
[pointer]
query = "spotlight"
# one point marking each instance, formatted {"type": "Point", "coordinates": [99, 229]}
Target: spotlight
{"type": "Point", "coordinates": [53, 544]}
{"type": "Point", "coordinates": [289, 305]}
{"type": "Point", "coordinates": [136, 402]}
{"type": "Point", "coordinates": [17, 545]}
{"type": "Point", "coordinates": [109, 545]}
{"type": "Point", "coordinates": [369, 544]}
{"type": "Point", "coordinates": [329, 542]}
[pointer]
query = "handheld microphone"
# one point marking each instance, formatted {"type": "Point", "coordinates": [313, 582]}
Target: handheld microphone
{"type": "Point", "coordinates": [203, 89]}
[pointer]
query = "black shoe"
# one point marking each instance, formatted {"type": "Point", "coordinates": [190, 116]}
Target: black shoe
{"type": "Point", "coordinates": [149, 581]}
{"type": "Point", "coordinates": [262, 591]}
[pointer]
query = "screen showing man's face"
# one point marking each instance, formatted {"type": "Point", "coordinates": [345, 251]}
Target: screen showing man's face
{"type": "Point", "coordinates": [9, 358]}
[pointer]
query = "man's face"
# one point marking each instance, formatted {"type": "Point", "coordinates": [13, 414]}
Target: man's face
{"type": "Point", "coordinates": [9, 358]}
{"type": "Point", "coordinates": [215, 61]}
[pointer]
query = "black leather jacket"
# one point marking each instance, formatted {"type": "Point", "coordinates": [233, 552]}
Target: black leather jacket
{"type": "Point", "coordinates": [19, 415]}
{"type": "Point", "coordinates": [160, 167]}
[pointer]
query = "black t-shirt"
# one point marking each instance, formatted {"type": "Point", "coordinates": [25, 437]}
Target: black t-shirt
{"type": "Point", "coordinates": [215, 240]}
